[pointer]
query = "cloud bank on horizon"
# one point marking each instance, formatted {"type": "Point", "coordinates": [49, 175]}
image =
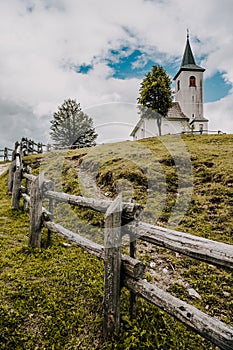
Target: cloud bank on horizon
{"type": "Point", "coordinates": [98, 52]}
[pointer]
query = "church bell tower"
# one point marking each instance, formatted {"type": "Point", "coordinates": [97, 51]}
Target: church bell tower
{"type": "Point", "coordinates": [189, 90]}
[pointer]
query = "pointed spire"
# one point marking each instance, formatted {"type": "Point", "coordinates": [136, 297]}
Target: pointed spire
{"type": "Point", "coordinates": [188, 62]}
{"type": "Point", "coordinates": [188, 57]}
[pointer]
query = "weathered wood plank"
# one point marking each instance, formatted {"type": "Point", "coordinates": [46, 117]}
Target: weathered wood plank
{"type": "Point", "coordinates": [216, 253]}
{"type": "Point", "coordinates": [12, 169]}
{"type": "Point", "coordinates": [29, 177]}
{"type": "Point", "coordinates": [133, 298]}
{"type": "Point", "coordinates": [26, 197]}
{"type": "Point", "coordinates": [130, 210]}
{"type": "Point", "coordinates": [35, 214]}
{"type": "Point", "coordinates": [112, 268]}
{"type": "Point", "coordinates": [47, 214]}
{"type": "Point", "coordinates": [208, 327]}
{"type": "Point", "coordinates": [73, 237]}
{"type": "Point", "coordinates": [27, 187]}
{"type": "Point", "coordinates": [133, 267]}
{"type": "Point", "coordinates": [18, 157]}
{"type": "Point", "coordinates": [16, 188]}
{"type": "Point", "coordinates": [51, 210]}
{"type": "Point", "coordinates": [99, 205]}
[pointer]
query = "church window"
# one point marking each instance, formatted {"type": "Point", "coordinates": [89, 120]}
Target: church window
{"type": "Point", "coordinates": [178, 85]}
{"type": "Point", "coordinates": [192, 81]}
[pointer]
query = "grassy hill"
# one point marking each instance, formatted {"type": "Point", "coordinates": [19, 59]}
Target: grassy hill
{"type": "Point", "coordinates": [51, 298]}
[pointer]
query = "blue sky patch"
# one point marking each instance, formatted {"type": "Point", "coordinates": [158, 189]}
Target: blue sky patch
{"type": "Point", "coordinates": [84, 69]}
{"type": "Point", "coordinates": [215, 88]}
{"type": "Point", "coordinates": [134, 65]}
{"type": "Point", "coordinates": [127, 64]}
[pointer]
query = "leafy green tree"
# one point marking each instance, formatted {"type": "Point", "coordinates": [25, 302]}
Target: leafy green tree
{"type": "Point", "coordinates": [71, 127]}
{"type": "Point", "coordinates": [155, 95]}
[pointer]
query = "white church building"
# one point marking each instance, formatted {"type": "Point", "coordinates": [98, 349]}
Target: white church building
{"type": "Point", "coordinates": [186, 113]}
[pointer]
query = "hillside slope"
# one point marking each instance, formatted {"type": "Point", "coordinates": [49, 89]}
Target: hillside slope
{"type": "Point", "coordinates": [51, 298]}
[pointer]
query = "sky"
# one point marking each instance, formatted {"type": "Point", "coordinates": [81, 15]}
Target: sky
{"type": "Point", "coordinates": [98, 52]}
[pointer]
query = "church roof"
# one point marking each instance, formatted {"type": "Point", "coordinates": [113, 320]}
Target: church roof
{"type": "Point", "coordinates": [199, 120]}
{"type": "Point", "coordinates": [175, 112]}
{"type": "Point", "coordinates": [188, 62]}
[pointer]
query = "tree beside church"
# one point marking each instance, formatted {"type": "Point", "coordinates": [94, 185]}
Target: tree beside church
{"type": "Point", "coordinates": [155, 95]}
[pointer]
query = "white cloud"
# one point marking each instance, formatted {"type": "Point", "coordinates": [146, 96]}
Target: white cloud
{"type": "Point", "coordinates": [140, 62]}
{"type": "Point", "coordinates": [20, 118]}
{"type": "Point", "coordinates": [39, 39]}
{"type": "Point", "coordinates": [220, 114]}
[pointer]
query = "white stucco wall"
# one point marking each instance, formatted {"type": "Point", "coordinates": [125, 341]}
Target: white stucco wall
{"type": "Point", "coordinates": [149, 128]}
{"type": "Point", "coordinates": [190, 98]}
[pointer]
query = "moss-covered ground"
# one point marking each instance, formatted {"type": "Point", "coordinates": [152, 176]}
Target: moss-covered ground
{"type": "Point", "coordinates": [51, 298]}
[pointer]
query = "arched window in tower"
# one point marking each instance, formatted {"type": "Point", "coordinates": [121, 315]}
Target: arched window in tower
{"type": "Point", "coordinates": [178, 85]}
{"type": "Point", "coordinates": [192, 81]}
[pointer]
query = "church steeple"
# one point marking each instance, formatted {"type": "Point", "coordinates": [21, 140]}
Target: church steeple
{"type": "Point", "coordinates": [188, 58]}
{"type": "Point", "coordinates": [188, 62]}
{"type": "Point", "coordinates": [189, 87]}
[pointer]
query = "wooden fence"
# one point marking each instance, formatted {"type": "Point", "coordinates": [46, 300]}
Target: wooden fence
{"type": "Point", "coordinates": [29, 146]}
{"type": "Point", "coordinates": [24, 147]}
{"type": "Point", "coordinates": [6, 154]}
{"type": "Point", "coordinates": [119, 269]}
{"type": "Point", "coordinates": [203, 131]}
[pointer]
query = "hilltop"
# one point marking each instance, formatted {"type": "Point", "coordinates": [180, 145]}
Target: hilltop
{"type": "Point", "coordinates": [52, 297]}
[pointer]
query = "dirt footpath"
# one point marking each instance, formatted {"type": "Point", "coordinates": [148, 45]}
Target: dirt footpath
{"type": "Point", "coordinates": [3, 168]}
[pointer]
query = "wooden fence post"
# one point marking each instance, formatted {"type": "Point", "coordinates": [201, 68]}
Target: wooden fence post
{"type": "Point", "coordinates": [51, 210]}
{"type": "Point", "coordinates": [133, 250]}
{"type": "Point", "coordinates": [16, 188]}
{"type": "Point", "coordinates": [11, 177]}
{"type": "Point", "coordinates": [35, 214]}
{"type": "Point", "coordinates": [112, 268]}
{"type": "Point", "coordinates": [26, 146]}
{"type": "Point", "coordinates": [6, 157]}
{"type": "Point", "coordinates": [27, 188]}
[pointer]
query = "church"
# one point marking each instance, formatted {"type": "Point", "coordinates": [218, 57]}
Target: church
{"type": "Point", "coordinates": [186, 114]}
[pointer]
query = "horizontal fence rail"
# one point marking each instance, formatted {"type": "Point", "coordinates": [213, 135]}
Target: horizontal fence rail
{"type": "Point", "coordinates": [122, 270]}
{"type": "Point", "coordinates": [130, 211]}
{"type": "Point", "coordinates": [214, 330]}
{"type": "Point", "coordinates": [216, 253]}
{"type": "Point", "coordinates": [133, 267]}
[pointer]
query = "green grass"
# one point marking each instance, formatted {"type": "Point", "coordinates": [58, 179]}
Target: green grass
{"type": "Point", "coordinates": [51, 298]}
